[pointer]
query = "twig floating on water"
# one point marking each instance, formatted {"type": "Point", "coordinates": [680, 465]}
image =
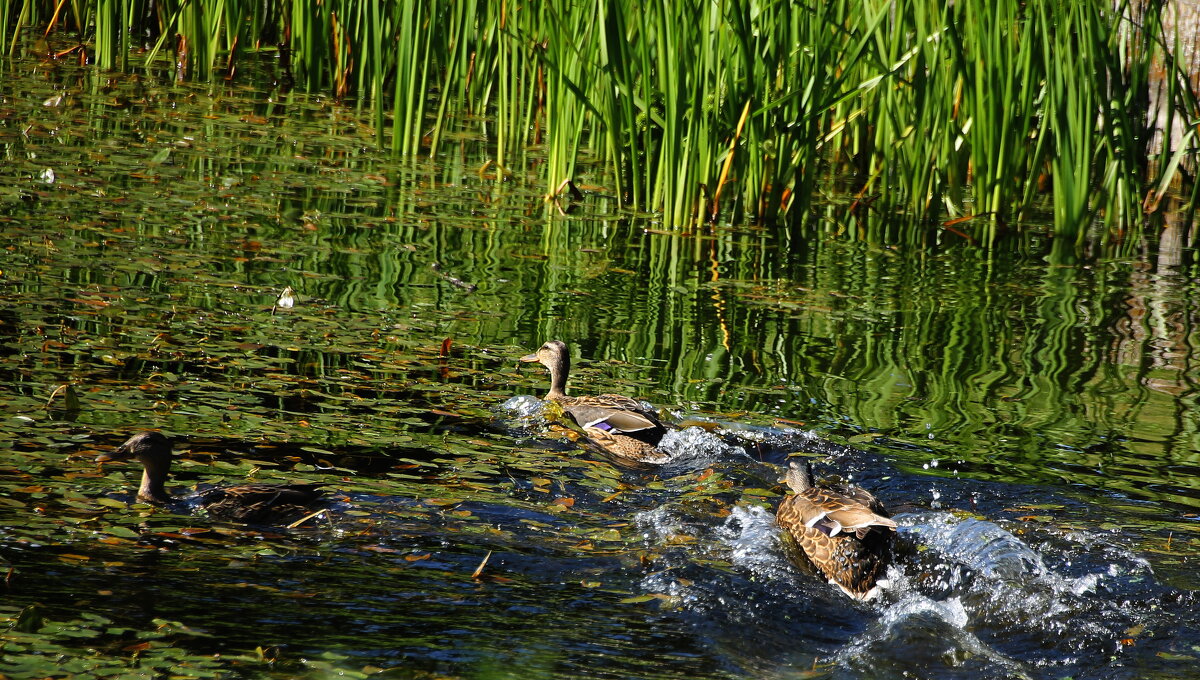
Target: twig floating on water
{"type": "Point", "coordinates": [452, 279]}
{"type": "Point", "coordinates": [305, 518]}
{"type": "Point", "coordinates": [479, 569]}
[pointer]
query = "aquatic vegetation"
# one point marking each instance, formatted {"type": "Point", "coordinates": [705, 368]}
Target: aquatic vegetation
{"type": "Point", "coordinates": [943, 110]}
{"type": "Point", "coordinates": [36, 646]}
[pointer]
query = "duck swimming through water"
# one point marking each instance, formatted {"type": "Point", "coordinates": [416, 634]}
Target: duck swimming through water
{"type": "Point", "coordinates": [251, 503]}
{"type": "Point", "coordinates": [613, 424]}
{"type": "Point", "coordinates": [843, 532]}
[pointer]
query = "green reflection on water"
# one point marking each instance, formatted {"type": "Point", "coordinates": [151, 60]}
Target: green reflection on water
{"type": "Point", "coordinates": [176, 215]}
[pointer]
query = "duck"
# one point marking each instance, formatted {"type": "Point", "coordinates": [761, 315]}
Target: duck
{"type": "Point", "coordinates": [612, 424]}
{"type": "Point", "coordinates": [248, 503]}
{"type": "Point", "coordinates": [844, 533]}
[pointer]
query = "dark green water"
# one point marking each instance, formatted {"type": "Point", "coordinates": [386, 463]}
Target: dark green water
{"type": "Point", "coordinates": [1032, 409]}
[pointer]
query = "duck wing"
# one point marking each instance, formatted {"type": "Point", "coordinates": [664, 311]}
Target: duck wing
{"type": "Point", "coordinates": [841, 538]}
{"type": "Point", "coordinates": [868, 500]}
{"type": "Point", "coordinates": [611, 419]}
{"type": "Point", "coordinates": [832, 512]}
{"type": "Point", "coordinates": [611, 413]}
{"type": "Point", "coordinates": [618, 427]}
{"type": "Point", "coordinates": [260, 503]}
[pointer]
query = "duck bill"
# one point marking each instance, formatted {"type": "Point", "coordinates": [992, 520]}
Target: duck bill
{"type": "Point", "coordinates": [115, 455]}
{"type": "Point", "coordinates": [529, 358]}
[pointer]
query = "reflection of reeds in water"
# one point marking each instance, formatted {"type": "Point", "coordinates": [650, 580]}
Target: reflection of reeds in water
{"type": "Point", "coordinates": [926, 331]}
{"type": "Point", "coordinates": [949, 344]}
{"type": "Point", "coordinates": [935, 109]}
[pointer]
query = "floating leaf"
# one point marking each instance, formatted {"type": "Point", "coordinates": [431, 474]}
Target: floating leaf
{"type": "Point", "coordinates": [636, 599]}
{"type": "Point", "coordinates": [66, 393]}
{"type": "Point", "coordinates": [759, 492]}
{"type": "Point", "coordinates": [441, 501]}
{"type": "Point", "coordinates": [29, 620]}
{"type": "Point", "coordinates": [1034, 518]}
{"type": "Point", "coordinates": [607, 535]}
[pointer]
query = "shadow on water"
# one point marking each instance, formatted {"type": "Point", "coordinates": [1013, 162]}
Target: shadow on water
{"type": "Point", "coordinates": [1032, 426]}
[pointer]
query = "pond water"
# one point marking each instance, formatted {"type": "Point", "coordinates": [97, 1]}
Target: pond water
{"type": "Point", "coordinates": [1029, 411]}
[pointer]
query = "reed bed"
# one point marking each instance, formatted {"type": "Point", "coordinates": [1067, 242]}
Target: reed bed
{"type": "Point", "coordinates": [734, 109]}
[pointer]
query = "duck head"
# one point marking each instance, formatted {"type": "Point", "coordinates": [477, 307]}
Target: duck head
{"type": "Point", "coordinates": [153, 451]}
{"type": "Point", "coordinates": [799, 475]}
{"type": "Point", "coordinates": [555, 356]}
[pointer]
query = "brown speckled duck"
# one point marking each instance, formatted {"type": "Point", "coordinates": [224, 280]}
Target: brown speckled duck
{"type": "Point", "coordinates": [845, 533]}
{"type": "Point", "coordinates": [253, 503]}
{"type": "Point", "coordinates": [613, 424]}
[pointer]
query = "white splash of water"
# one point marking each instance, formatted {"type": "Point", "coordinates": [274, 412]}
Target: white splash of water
{"type": "Point", "coordinates": [523, 405]}
{"type": "Point", "coordinates": [981, 545]}
{"type": "Point", "coordinates": [1001, 578]}
{"type": "Point", "coordinates": [935, 630]}
{"type": "Point", "coordinates": [659, 525]}
{"type": "Point", "coordinates": [696, 446]}
{"type": "Point", "coordinates": [951, 611]}
{"type": "Point", "coordinates": [748, 538]}
{"type": "Point", "coordinates": [753, 540]}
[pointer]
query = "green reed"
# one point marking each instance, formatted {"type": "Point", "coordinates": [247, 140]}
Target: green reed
{"type": "Point", "coordinates": [736, 109]}
{"type": "Point", "coordinates": [12, 17]}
